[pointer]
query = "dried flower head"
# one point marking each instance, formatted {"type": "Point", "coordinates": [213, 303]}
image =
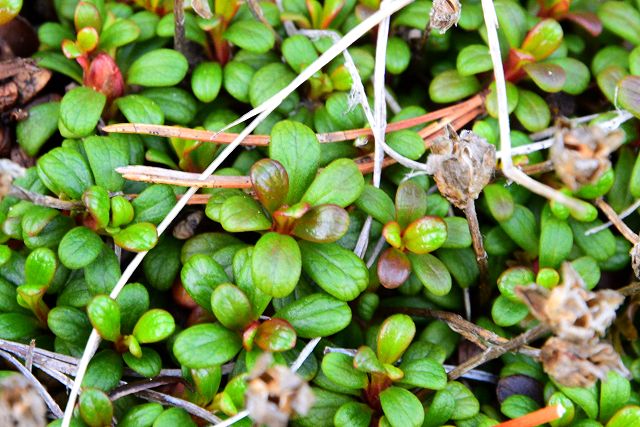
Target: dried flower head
{"type": "Point", "coordinates": [463, 165]}
{"type": "Point", "coordinates": [580, 364]}
{"type": "Point", "coordinates": [580, 155]}
{"type": "Point", "coordinates": [20, 403]}
{"type": "Point", "coordinates": [186, 228]}
{"type": "Point", "coordinates": [573, 313]}
{"type": "Point", "coordinates": [276, 393]}
{"type": "Point", "coordinates": [444, 14]}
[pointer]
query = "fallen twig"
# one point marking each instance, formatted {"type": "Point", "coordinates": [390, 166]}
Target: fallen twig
{"type": "Point", "coordinates": [617, 221]}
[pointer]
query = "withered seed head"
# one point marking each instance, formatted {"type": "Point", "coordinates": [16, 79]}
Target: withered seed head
{"type": "Point", "coordinates": [463, 165]}
{"type": "Point", "coordinates": [580, 155]}
{"type": "Point", "coordinates": [20, 403]}
{"type": "Point", "coordinates": [444, 14]}
{"type": "Point", "coordinates": [277, 393]}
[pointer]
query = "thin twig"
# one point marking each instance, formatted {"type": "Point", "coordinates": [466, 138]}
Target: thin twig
{"type": "Point", "coordinates": [146, 384]}
{"type": "Point", "coordinates": [617, 221]}
{"type": "Point", "coordinates": [630, 290]}
{"type": "Point", "coordinates": [28, 361]}
{"type": "Point", "coordinates": [179, 39]}
{"type": "Point", "coordinates": [478, 248]}
{"type": "Point", "coordinates": [42, 200]}
{"type": "Point", "coordinates": [51, 404]}
{"type": "Point", "coordinates": [625, 213]}
{"type": "Point", "coordinates": [494, 352]}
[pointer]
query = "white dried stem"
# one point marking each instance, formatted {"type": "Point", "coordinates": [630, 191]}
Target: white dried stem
{"type": "Point", "coordinates": [625, 213]}
{"type": "Point", "coordinates": [262, 112]}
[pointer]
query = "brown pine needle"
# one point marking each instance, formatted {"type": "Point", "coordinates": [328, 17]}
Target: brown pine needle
{"type": "Point", "coordinates": [536, 418]}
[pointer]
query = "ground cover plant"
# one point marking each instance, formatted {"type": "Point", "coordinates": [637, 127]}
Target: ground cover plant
{"type": "Point", "coordinates": [300, 212]}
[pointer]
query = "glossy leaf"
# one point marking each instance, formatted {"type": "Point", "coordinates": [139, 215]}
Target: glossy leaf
{"type": "Point", "coordinates": [473, 59]}
{"type": "Point", "coordinates": [375, 202]}
{"type": "Point", "coordinates": [153, 204]}
{"type": "Point", "coordinates": [137, 237]}
{"type": "Point", "coordinates": [148, 365]}
{"type": "Point", "coordinates": [275, 335]}
{"type": "Point", "coordinates": [549, 77]}
{"type": "Point", "coordinates": [322, 224]}
{"type": "Point", "coordinates": [141, 415]}
{"type": "Point", "coordinates": [158, 68]}
{"type": "Point", "coordinates": [532, 111]}
{"type": "Point", "coordinates": [578, 76]}
{"type": "Point", "coordinates": [543, 39]}
{"type": "Point", "coordinates": [432, 273]}
{"type": "Point", "coordinates": [270, 182]}
{"type": "Point", "coordinates": [206, 81]}
{"type": "Point", "coordinates": [40, 267]}
{"type": "Point", "coordinates": [95, 408]}
{"type": "Point", "coordinates": [353, 414]}
{"type": "Point", "coordinates": [251, 35]}
{"type": "Point", "coordinates": [154, 325]}
{"type": "Point", "coordinates": [64, 171]}
{"type": "Point", "coordinates": [242, 213]}
{"type": "Point", "coordinates": [104, 315]}
{"type": "Point", "coordinates": [200, 275]}
{"type": "Point", "coordinates": [231, 306]}
{"type": "Point", "coordinates": [621, 19]}
{"type": "Point", "coordinates": [340, 183]}
{"type": "Point", "coordinates": [411, 203]}
{"type": "Point", "coordinates": [450, 86]}
{"type": "Point", "coordinates": [625, 417]}
{"type": "Point", "coordinates": [401, 407]}
{"type": "Point", "coordinates": [424, 373]}
{"type": "Point", "coordinates": [79, 247]}
{"type": "Point", "coordinates": [80, 111]}
{"type": "Point", "coordinates": [394, 337]}
{"type": "Point", "coordinates": [339, 368]}
{"type": "Point", "coordinates": [96, 200]}
{"type": "Point", "coordinates": [36, 129]}
{"type": "Point", "coordinates": [425, 235]}
{"type": "Point", "coordinates": [629, 94]}
{"type": "Point", "coordinates": [206, 345]}
{"type": "Point", "coordinates": [394, 268]}
{"type": "Point", "coordinates": [316, 315]}
{"type": "Point", "coordinates": [276, 264]}
{"type": "Point", "coordinates": [614, 394]}
{"type": "Point", "coordinates": [336, 270]}
{"type": "Point", "coordinates": [499, 201]}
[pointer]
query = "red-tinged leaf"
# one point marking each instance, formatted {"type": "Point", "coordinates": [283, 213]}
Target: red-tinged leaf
{"type": "Point", "coordinates": [608, 80]}
{"type": "Point", "coordinates": [104, 76]}
{"type": "Point", "coordinates": [271, 183]}
{"type": "Point", "coordinates": [548, 77]}
{"type": "Point", "coordinates": [553, 8]}
{"type": "Point", "coordinates": [543, 39]}
{"type": "Point", "coordinates": [392, 233]}
{"type": "Point", "coordinates": [425, 235]}
{"type": "Point", "coordinates": [322, 224]}
{"type": "Point", "coordinates": [366, 360]}
{"type": "Point", "coordinates": [394, 337]}
{"type": "Point", "coordinates": [285, 217]}
{"type": "Point", "coordinates": [330, 11]}
{"type": "Point", "coordinates": [394, 268]}
{"type": "Point", "coordinates": [587, 20]}
{"type": "Point", "coordinates": [629, 94]}
{"type": "Point", "coordinates": [275, 335]}
{"type": "Point", "coordinates": [87, 39]}
{"type": "Point", "coordinates": [513, 68]}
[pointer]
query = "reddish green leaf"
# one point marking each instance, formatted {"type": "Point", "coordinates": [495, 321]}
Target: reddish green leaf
{"type": "Point", "coordinates": [138, 237]}
{"type": "Point", "coordinates": [322, 224]}
{"type": "Point", "coordinates": [393, 268]}
{"type": "Point", "coordinates": [543, 39]}
{"type": "Point", "coordinates": [411, 203]}
{"type": "Point", "coordinates": [95, 408]}
{"type": "Point", "coordinates": [548, 77]}
{"type": "Point", "coordinates": [425, 235]}
{"type": "Point", "coordinates": [275, 335]}
{"type": "Point", "coordinates": [392, 233]}
{"type": "Point", "coordinates": [242, 213]}
{"type": "Point", "coordinates": [270, 182]}
{"type": "Point", "coordinates": [608, 80]}
{"type": "Point", "coordinates": [394, 337]}
{"type": "Point", "coordinates": [96, 200]}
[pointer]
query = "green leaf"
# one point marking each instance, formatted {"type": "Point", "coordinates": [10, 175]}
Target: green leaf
{"type": "Point", "coordinates": [296, 147]}
{"type": "Point", "coordinates": [276, 264]}
{"type": "Point", "coordinates": [375, 202]}
{"type": "Point", "coordinates": [466, 403]}
{"type": "Point", "coordinates": [242, 213]}
{"type": "Point", "coordinates": [556, 240]}
{"type": "Point", "coordinates": [103, 273]}
{"type": "Point", "coordinates": [65, 172]}
{"type": "Point", "coordinates": [275, 335]}
{"type": "Point", "coordinates": [401, 407]}
{"type": "Point", "coordinates": [512, 20]}
{"type": "Point", "coordinates": [316, 315]}
{"type": "Point", "coordinates": [609, 80]}
{"type": "Point", "coordinates": [140, 109]}
{"type": "Point", "coordinates": [505, 312]}
{"type": "Point", "coordinates": [177, 105]}
{"type": "Point", "coordinates": [549, 77]}
{"type": "Point", "coordinates": [585, 397]}
{"type": "Point", "coordinates": [38, 127]}
{"type": "Point", "coordinates": [625, 417]}
{"type": "Point", "coordinates": [142, 415]}
{"type": "Point", "coordinates": [353, 414]}
{"type": "Point", "coordinates": [299, 52]}
{"type": "Point", "coordinates": [153, 204]}
{"type": "Point", "coordinates": [424, 373]}
{"type": "Point", "coordinates": [268, 81]}
{"type": "Point", "coordinates": [432, 273]}
{"type": "Point", "coordinates": [558, 398]}
{"type": "Point", "coordinates": [425, 235]}
{"type": "Point", "coordinates": [206, 345]}
{"type": "Point", "coordinates": [80, 111]}
{"type": "Point", "coordinates": [322, 224]}
{"type": "Point", "coordinates": [251, 35]}
{"type": "Point", "coordinates": [40, 267]}
{"type": "Point", "coordinates": [450, 86]}
{"type": "Point", "coordinates": [440, 410]}
{"type": "Point", "coordinates": [237, 79]}
{"type": "Point", "coordinates": [339, 368]}
{"type": "Point", "coordinates": [22, 327]}
{"type": "Point", "coordinates": [499, 201]}
{"type": "Point", "coordinates": [601, 245]}
{"type": "Point", "coordinates": [162, 263]}
{"type": "Point", "coordinates": [137, 237]}
{"type": "Point", "coordinates": [105, 154]}
{"type": "Point", "coordinates": [96, 200]}
{"type": "Point", "coordinates": [512, 277]}
{"type": "Point", "coordinates": [622, 19]}
{"type": "Point", "coordinates": [518, 405]}
{"type": "Point", "coordinates": [174, 417]}
{"type": "Point", "coordinates": [578, 76]}
{"type": "Point", "coordinates": [69, 324]}
{"type": "Point", "coordinates": [104, 371]}
{"type": "Point", "coordinates": [95, 408]}
{"type": "Point", "coordinates": [56, 61]}
{"type": "Point", "coordinates": [473, 59]}
{"type": "Point", "coordinates": [104, 315]}
{"type": "Point", "coordinates": [521, 228]}
{"type": "Point", "coordinates": [160, 67]}
{"type": "Point", "coordinates": [200, 275]}
{"type": "Point", "coordinates": [491, 102]}
{"type": "Point", "coordinates": [543, 39]}
{"type": "Point", "coordinates": [629, 94]}
{"type": "Point", "coordinates": [411, 203]}
{"type": "Point", "coordinates": [394, 336]}
{"type": "Point", "coordinates": [79, 247]}
{"type": "Point", "coordinates": [120, 33]}
{"type": "Point", "coordinates": [148, 365]}
{"type": "Point", "coordinates": [206, 81]}
{"type": "Point", "coordinates": [121, 211]}
{"type": "Point", "coordinates": [231, 306]}
{"type": "Point", "coordinates": [407, 142]}
{"type": "Point", "coordinates": [342, 113]}
{"type": "Point", "coordinates": [614, 394]}
{"type": "Point", "coordinates": [133, 301]}
{"type": "Point", "coordinates": [340, 183]}
{"type": "Point", "coordinates": [398, 55]}
{"type": "Point", "coordinates": [154, 325]}
{"type": "Point", "coordinates": [336, 270]}
{"type": "Point", "coordinates": [532, 111]}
